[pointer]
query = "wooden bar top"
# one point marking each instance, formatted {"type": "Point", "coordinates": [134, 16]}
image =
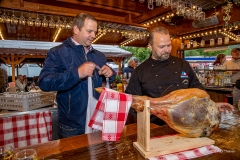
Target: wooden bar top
{"type": "Point", "coordinates": [90, 146]}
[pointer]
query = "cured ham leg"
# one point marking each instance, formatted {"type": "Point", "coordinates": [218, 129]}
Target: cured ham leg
{"type": "Point", "coordinates": [188, 111]}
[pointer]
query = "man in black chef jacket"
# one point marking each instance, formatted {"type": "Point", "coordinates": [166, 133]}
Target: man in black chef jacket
{"type": "Point", "coordinates": [162, 73]}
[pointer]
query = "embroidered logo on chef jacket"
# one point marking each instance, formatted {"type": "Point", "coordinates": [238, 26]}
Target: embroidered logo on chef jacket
{"type": "Point", "coordinates": [184, 75]}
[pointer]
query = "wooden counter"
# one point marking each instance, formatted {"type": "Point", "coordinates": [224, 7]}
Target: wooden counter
{"type": "Point", "coordinates": [219, 94]}
{"type": "Point", "coordinates": [90, 146]}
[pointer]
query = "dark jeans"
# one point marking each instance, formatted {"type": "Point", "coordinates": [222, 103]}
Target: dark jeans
{"type": "Point", "coordinates": [68, 131]}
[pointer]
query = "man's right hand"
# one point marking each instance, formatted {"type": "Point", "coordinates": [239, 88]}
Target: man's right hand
{"type": "Point", "coordinates": [86, 69]}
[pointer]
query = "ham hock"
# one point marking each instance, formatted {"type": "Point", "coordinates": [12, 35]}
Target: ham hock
{"type": "Point", "coordinates": [190, 112]}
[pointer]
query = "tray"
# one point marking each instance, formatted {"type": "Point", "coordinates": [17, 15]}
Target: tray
{"type": "Point", "coordinates": [25, 101]}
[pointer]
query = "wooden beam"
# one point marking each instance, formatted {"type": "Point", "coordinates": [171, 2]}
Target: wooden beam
{"type": "Point", "coordinates": [40, 64]}
{"type": "Point", "coordinates": [126, 9]}
{"type": "Point", "coordinates": [21, 64]}
{"type": "Point", "coordinates": [63, 11]}
{"type": "Point", "coordinates": [21, 3]}
{"type": "Point", "coordinates": [151, 14]}
{"type": "Point", "coordinates": [18, 61]}
{"type": "Point", "coordinates": [13, 67]}
{"type": "Point", "coordinates": [4, 60]}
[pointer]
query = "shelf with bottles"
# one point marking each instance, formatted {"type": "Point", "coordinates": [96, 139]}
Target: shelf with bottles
{"type": "Point", "coordinates": [212, 77]}
{"type": "Point", "coordinates": [219, 70]}
{"type": "Point", "coordinates": [120, 82]}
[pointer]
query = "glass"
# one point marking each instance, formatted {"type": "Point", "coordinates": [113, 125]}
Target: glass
{"type": "Point", "coordinates": [182, 45]}
{"type": "Point", "coordinates": [30, 20]}
{"type": "Point", "coordinates": [188, 44]}
{"type": "Point", "coordinates": [58, 23]}
{"type": "Point", "coordinates": [202, 43]}
{"type": "Point", "coordinates": [14, 19]}
{"type": "Point", "coordinates": [6, 152]}
{"type": "Point", "coordinates": [22, 20]}
{"type": "Point", "coordinates": [226, 40]}
{"type": "Point", "coordinates": [238, 38]}
{"type": "Point", "coordinates": [194, 44]}
{"type": "Point", "coordinates": [219, 41]}
{"type": "Point", "coordinates": [212, 42]}
{"type": "Point", "coordinates": [45, 22]}
{"type": "Point", "coordinates": [26, 154]}
{"type": "Point", "coordinates": [51, 23]}
{"type": "Point", "coordinates": [37, 22]}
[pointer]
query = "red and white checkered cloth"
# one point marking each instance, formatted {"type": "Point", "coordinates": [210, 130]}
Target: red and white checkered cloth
{"type": "Point", "coordinates": [111, 114]}
{"type": "Point", "coordinates": [188, 154]}
{"type": "Point", "coordinates": [27, 129]}
{"type": "Point", "coordinates": [194, 153]}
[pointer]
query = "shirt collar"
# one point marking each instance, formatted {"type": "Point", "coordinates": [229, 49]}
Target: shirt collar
{"type": "Point", "coordinates": [89, 48]}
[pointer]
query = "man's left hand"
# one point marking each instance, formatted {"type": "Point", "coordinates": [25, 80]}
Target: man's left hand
{"type": "Point", "coordinates": [106, 71]}
{"type": "Point", "coordinates": [223, 107]}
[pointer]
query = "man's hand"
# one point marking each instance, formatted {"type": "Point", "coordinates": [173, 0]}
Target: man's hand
{"type": "Point", "coordinates": [86, 69]}
{"type": "Point", "coordinates": [106, 71]}
{"type": "Point", "coordinates": [225, 106]}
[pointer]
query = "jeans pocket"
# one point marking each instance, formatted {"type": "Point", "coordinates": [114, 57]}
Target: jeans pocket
{"type": "Point", "coordinates": [68, 131]}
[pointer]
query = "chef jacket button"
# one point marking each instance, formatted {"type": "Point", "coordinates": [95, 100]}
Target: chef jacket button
{"type": "Point", "coordinates": [173, 62]}
{"type": "Point", "coordinates": [160, 87]}
{"type": "Point", "coordinates": [175, 72]}
{"type": "Point", "coordinates": [177, 85]}
{"type": "Point", "coordinates": [152, 65]}
{"type": "Point", "coordinates": [156, 75]}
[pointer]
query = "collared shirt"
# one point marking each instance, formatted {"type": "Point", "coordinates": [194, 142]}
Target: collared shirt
{"type": "Point", "coordinates": [87, 49]}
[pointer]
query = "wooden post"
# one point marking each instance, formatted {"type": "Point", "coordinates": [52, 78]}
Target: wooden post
{"type": "Point", "coordinates": [143, 127]}
{"type": "Point", "coordinates": [13, 67]}
{"type": "Point", "coordinates": [163, 145]}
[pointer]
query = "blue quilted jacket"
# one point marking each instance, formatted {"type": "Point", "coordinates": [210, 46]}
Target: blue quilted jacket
{"type": "Point", "coordinates": [60, 73]}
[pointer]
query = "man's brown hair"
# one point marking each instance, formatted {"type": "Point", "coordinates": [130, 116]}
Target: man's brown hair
{"type": "Point", "coordinates": [80, 19]}
{"type": "Point", "coordinates": [161, 30]}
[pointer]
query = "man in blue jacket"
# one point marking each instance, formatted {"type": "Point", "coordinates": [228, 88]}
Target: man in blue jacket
{"type": "Point", "coordinates": [66, 70]}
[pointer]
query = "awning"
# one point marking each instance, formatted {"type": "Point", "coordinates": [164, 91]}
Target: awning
{"type": "Point", "coordinates": [39, 47]}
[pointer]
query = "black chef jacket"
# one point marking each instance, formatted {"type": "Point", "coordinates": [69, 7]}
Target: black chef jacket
{"type": "Point", "coordinates": [153, 78]}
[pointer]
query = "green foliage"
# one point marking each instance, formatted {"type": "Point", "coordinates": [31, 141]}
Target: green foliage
{"type": "Point", "coordinates": [117, 79]}
{"type": "Point", "coordinates": [142, 53]}
{"type": "Point", "coordinates": [201, 52]}
{"type": "Point", "coordinates": [139, 52]}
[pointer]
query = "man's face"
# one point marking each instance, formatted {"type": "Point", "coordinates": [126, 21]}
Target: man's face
{"type": "Point", "coordinates": [87, 34]}
{"type": "Point", "coordinates": [236, 55]}
{"type": "Point", "coordinates": [21, 78]}
{"type": "Point", "coordinates": [223, 60]}
{"type": "Point", "coordinates": [135, 64]}
{"type": "Point", "coordinates": [161, 47]}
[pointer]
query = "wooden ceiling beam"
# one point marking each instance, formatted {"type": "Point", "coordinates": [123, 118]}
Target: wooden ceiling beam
{"type": "Point", "coordinates": [110, 8]}
{"type": "Point", "coordinates": [46, 9]}
{"type": "Point", "coordinates": [151, 14]}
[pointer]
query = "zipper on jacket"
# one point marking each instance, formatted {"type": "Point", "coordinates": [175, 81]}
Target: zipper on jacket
{"type": "Point", "coordinates": [94, 72]}
{"type": "Point", "coordinates": [69, 102]}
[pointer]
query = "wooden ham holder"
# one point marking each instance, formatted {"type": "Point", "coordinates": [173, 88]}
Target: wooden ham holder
{"type": "Point", "coordinates": [164, 145]}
